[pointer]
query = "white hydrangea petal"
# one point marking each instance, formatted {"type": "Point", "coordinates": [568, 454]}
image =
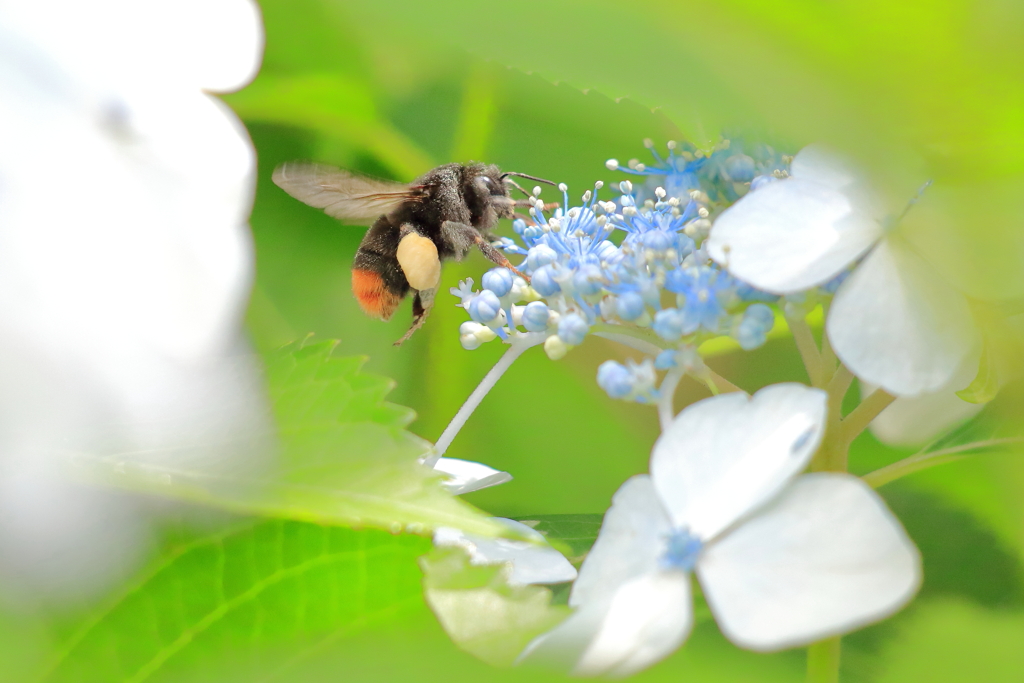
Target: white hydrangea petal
{"type": "Point", "coordinates": [463, 476]}
{"type": "Point", "coordinates": [531, 561]}
{"type": "Point", "coordinates": [725, 456]}
{"type": "Point", "coordinates": [916, 420]}
{"type": "Point", "coordinates": [825, 558]}
{"type": "Point", "coordinates": [638, 625]}
{"type": "Point", "coordinates": [895, 323]}
{"type": "Point", "coordinates": [630, 542]}
{"type": "Point", "coordinates": [791, 235]}
{"type": "Point", "coordinates": [210, 44]}
{"type": "Point", "coordinates": [825, 166]}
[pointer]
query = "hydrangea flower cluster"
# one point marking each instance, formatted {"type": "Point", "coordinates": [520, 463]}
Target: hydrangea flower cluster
{"type": "Point", "coordinates": [711, 245]}
{"type": "Point", "coordinates": [635, 265]}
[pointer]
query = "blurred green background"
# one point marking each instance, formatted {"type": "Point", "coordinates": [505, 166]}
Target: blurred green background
{"type": "Point", "coordinates": [391, 88]}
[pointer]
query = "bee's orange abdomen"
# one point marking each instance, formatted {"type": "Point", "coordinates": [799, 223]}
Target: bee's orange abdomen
{"type": "Point", "coordinates": [373, 295]}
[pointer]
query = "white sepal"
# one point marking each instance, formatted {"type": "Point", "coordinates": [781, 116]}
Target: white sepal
{"type": "Point", "coordinates": [531, 561]}
{"type": "Point", "coordinates": [725, 456]}
{"type": "Point", "coordinates": [463, 476]}
{"type": "Point", "coordinates": [631, 540]}
{"type": "Point", "coordinates": [825, 558]}
{"type": "Point", "coordinates": [895, 323]}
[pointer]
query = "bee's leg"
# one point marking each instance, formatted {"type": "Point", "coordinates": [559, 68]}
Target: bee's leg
{"type": "Point", "coordinates": [422, 303]}
{"type": "Point", "coordinates": [462, 237]}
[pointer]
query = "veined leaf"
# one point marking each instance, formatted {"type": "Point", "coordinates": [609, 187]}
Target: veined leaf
{"type": "Point", "coordinates": [272, 590]}
{"type": "Point", "coordinates": [345, 457]}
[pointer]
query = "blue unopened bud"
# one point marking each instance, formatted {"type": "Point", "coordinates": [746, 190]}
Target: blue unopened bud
{"type": "Point", "coordinates": [760, 181]}
{"type": "Point", "coordinates": [572, 329]}
{"type": "Point", "coordinates": [761, 315]}
{"type": "Point", "coordinates": [587, 280]}
{"type": "Point", "coordinates": [607, 251]}
{"type": "Point", "coordinates": [519, 225]}
{"type": "Point", "coordinates": [543, 281]}
{"type": "Point", "coordinates": [540, 255]}
{"type": "Point", "coordinates": [629, 306]}
{"type": "Point", "coordinates": [665, 360]}
{"type": "Point", "coordinates": [657, 240]}
{"type": "Point", "coordinates": [678, 280]}
{"type": "Point", "coordinates": [740, 168]}
{"type": "Point", "coordinates": [484, 307]}
{"type": "Point", "coordinates": [752, 330]}
{"type": "Point", "coordinates": [535, 316]}
{"type": "Point", "coordinates": [615, 379]}
{"type": "Point", "coordinates": [668, 324]}
{"type": "Point", "coordinates": [498, 280]}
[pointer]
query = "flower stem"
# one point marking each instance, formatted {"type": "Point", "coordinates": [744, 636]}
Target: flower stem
{"type": "Point", "coordinates": [666, 394]}
{"type": "Point", "coordinates": [858, 420]}
{"type": "Point", "coordinates": [808, 348]}
{"type": "Point", "coordinates": [635, 338]}
{"type": "Point", "coordinates": [715, 382]}
{"type": "Point", "coordinates": [516, 349]}
{"type": "Point", "coordinates": [823, 661]}
{"type": "Point", "coordinates": [922, 461]}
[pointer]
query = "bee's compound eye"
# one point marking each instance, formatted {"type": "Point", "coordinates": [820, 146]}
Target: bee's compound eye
{"type": "Point", "coordinates": [486, 182]}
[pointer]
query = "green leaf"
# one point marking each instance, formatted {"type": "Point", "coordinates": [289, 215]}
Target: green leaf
{"type": "Point", "coordinates": [573, 535]}
{"type": "Point", "coordinates": [236, 596]}
{"type": "Point", "coordinates": [333, 106]}
{"type": "Point", "coordinates": [481, 612]}
{"type": "Point", "coordinates": [345, 456]}
{"type": "Point", "coordinates": [986, 384]}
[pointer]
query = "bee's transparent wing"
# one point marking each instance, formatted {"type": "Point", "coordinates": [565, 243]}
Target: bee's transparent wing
{"type": "Point", "coordinates": [342, 194]}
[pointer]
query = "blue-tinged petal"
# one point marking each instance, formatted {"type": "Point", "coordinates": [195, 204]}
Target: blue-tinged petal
{"type": "Point", "coordinates": [825, 558]}
{"type": "Point", "coordinates": [725, 456]}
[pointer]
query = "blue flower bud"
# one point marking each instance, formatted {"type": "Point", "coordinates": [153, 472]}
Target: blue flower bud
{"type": "Point", "coordinates": [666, 359]}
{"type": "Point", "coordinates": [740, 168]}
{"type": "Point", "coordinates": [678, 280]}
{"type": "Point", "coordinates": [543, 281]}
{"type": "Point", "coordinates": [535, 316]}
{"type": "Point", "coordinates": [668, 324]}
{"type": "Point", "coordinates": [657, 240]}
{"type": "Point", "coordinates": [629, 306]}
{"type": "Point", "coordinates": [615, 379]}
{"type": "Point", "coordinates": [587, 280]}
{"type": "Point", "coordinates": [760, 314]}
{"type": "Point", "coordinates": [540, 255]}
{"type": "Point", "coordinates": [760, 181]}
{"type": "Point", "coordinates": [484, 307]}
{"type": "Point", "coordinates": [532, 233]}
{"type": "Point", "coordinates": [607, 251]}
{"type": "Point", "coordinates": [498, 280]}
{"type": "Point", "coordinates": [572, 329]}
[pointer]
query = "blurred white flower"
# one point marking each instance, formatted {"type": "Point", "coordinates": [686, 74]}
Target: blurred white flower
{"type": "Point", "coordinates": [530, 562]}
{"type": "Point", "coordinates": [916, 420]}
{"type": "Point", "coordinates": [783, 560]}
{"type": "Point", "coordinates": [894, 322]}
{"type": "Point", "coordinates": [125, 266]}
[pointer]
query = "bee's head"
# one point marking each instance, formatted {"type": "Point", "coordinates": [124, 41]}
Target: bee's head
{"type": "Point", "coordinates": [486, 195]}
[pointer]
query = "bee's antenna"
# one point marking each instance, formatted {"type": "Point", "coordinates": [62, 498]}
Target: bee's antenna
{"type": "Point", "coordinates": [528, 177]}
{"type": "Point", "coordinates": [516, 185]}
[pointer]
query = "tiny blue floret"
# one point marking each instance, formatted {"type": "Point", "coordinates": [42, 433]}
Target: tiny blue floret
{"type": "Point", "coordinates": [498, 280]}
{"type": "Point", "coordinates": [535, 316]}
{"type": "Point", "coordinates": [572, 329]}
{"type": "Point", "coordinates": [484, 307]}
